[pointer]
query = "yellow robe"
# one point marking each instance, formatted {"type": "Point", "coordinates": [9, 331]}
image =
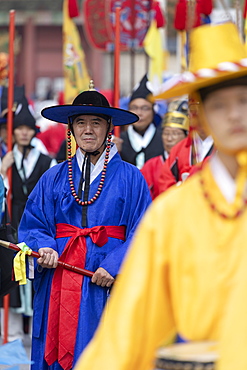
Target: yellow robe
{"type": "Point", "coordinates": [179, 277]}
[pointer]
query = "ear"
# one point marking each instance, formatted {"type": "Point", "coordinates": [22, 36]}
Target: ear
{"type": "Point", "coordinates": [70, 127]}
{"type": "Point", "coordinates": [111, 127]}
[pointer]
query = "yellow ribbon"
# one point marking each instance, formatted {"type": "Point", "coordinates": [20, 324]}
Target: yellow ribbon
{"type": "Point", "coordinates": [20, 263]}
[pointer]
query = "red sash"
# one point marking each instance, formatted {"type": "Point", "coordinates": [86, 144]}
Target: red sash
{"type": "Point", "coordinates": [66, 288]}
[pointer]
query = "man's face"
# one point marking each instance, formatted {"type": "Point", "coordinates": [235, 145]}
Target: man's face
{"type": "Point", "coordinates": [90, 132]}
{"type": "Point", "coordinates": [171, 136]}
{"type": "Point", "coordinates": [226, 115]}
{"type": "Point", "coordinates": [144, 110]}
{"type": "Point", "coordinates": [23, 135]}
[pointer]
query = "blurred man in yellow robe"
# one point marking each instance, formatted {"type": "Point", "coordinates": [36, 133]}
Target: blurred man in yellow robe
{"type": "Point", "coordinates": [182, 276]}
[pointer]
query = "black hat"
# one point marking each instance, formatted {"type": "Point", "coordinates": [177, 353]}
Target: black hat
{"type": "Point", "coordinates": [24, 116]}
{"type": "Point", "coordinates": [141, 90]}
{"type": "Point", "coordinates": [89, 102]}
{"type": "Point", "coordinates": [19, 94]}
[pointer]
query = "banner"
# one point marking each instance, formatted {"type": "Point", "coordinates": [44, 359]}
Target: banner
{"type": "Point", "coordinates": [96, 23]}
{"type": "Point", "coordinates": [154, 49]}
{"type": "Point", "coordinates": [76, 78]}
{"type": "Point", "coordinates": [135, 21]}
{"type": "Point", "coordinates": [99, 18]}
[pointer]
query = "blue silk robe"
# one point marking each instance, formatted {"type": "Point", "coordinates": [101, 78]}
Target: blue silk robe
{"type": "Point", "coordinates": [123, 201]}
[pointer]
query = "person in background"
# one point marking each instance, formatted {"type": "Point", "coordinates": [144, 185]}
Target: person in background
{"type": "Point", "coordinates": [183, 285]}
{"type": "Point", "coordinates": [6, 255]}
{"type": "Point", "coordinates": [175, 127]}
{"type": "Point", "coordinates": [19, 95]}
{"type": "Point", "coordinates": [83, 211]}
{"type": "Point", "coordinates": [142, 140]}
{"type": "Point", "coordinates": [52, 134]}
{"type": "Point", "coordinates": [28, 165]}
{"type": "Point", "coordinates": [187, 154]}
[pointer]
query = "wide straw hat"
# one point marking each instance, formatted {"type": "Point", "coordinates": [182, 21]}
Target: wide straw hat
{"type": "Point", "coordinates": [89, 102]}
{"type": "Point", "coordinates": [216, 54]}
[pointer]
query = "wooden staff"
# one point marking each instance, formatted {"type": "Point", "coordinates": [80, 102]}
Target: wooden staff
{"type": "Point", "coordinates": [9, 145]}
{"type": "Point", "coordinates": [116, 65]}
{"type": "Point", "coordinates": [65, 265]}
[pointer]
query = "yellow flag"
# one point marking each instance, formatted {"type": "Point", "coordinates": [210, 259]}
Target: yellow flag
{"type": "Point", "coordinates": [153, 47]}
{"type": "Point", "coordinates": [76, 78]}
{"type": "Point", "coordinates": [183, 52]}
{"type": "Point", "coordinates": [20, 263]}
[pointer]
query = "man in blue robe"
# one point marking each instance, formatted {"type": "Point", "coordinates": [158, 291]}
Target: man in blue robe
{"type": "Point", "coordinates": [83, 211]}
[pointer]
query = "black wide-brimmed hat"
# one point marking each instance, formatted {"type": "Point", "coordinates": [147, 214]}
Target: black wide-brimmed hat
{"type": "Point", "coordinates": [89, 102]}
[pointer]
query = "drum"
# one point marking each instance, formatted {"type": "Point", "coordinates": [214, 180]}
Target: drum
{"type": "Point", "coordinates": [187, 356]}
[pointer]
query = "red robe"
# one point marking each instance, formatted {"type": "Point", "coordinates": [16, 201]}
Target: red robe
{"type": "Point", "coordinates": [151, 171]}
{"type": "Point", "coordinates": [180, 161]}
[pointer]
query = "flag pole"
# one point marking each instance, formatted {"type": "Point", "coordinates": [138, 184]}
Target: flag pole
{"type": "Point", "coordinates": [10, 100]}
{"type": "Point", "coordinates": [9, 145]}
{"type": "Point", "coordinates": [116, 65]}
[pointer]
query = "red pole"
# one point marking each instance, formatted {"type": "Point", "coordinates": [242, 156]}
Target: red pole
{"type": "Point", "coordinates": [116, 66]}
{"type": "Point", "coordinates": [9, 144]}
{"type": "Point", "coordinates": [10, 98]}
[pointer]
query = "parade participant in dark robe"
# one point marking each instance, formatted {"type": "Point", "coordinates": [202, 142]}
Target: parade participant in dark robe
{"type": "Point", "coordinates": [28, 165]}
{"type": "Point", "coordinates": [83, 211]}
{"type": "Point", "coordinates": [6, 256]}
{"type": "Point", "coordinates": [142, 140]}
{"type": "Point", "coordinates": [175, 127]}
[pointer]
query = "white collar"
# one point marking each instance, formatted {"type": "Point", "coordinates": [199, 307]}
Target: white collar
{"type": "Point", "coordinates": [202, 147]}
{"type": "Point", "coordinates": [138, 142]}
{"type": "Point", "coordinates": [28, 163]}
{"type": "Point", "coordinates": [96, 169]}
{"type": "Point", "coordinates": [166, 155]}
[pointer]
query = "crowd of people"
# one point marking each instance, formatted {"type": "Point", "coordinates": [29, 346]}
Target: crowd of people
{"type": "Point", "coordinates": [162, 266]}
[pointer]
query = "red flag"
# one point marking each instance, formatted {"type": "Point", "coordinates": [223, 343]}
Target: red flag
{"type": "Point", "coordinates": [245, 9]}
{"type": "Point", "coordinates": [180, 20]}
{"type": "Point", "coordinates": [73, 8]}
{"type": "Point", "coordinates": [206, 7]}
{"type": "Point", "coordinates": [159, 15]}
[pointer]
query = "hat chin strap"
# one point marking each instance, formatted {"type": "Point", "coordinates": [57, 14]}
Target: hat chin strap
{"type": "Point", "coordinates": [96, 152]}
{"type": "Point", "coordinates": [85, 202]}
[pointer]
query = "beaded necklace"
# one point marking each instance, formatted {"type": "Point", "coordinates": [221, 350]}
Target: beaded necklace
{"type": "Point", "coordinates": [215, 208]}
{"type": "Point", "coordinates": [101, 183]}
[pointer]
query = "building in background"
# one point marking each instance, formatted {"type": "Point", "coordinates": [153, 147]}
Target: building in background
{"type": "Point", "coordinates": [39, 48]}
